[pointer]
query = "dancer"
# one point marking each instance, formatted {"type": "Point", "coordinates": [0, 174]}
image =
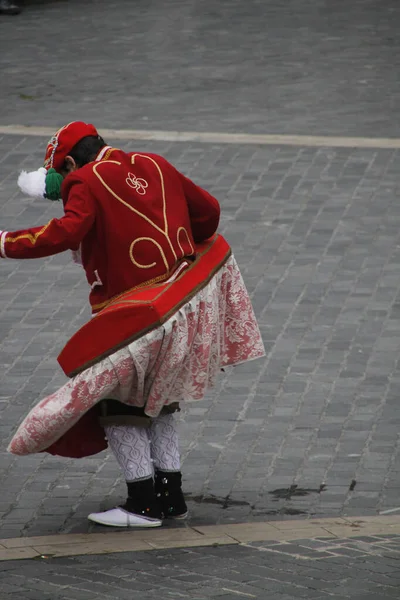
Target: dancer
{"type": "Point", "coordinates": [170, 309]}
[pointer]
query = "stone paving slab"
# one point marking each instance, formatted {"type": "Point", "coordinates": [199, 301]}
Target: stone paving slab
{"type": "Point", "coordinates": [331, 531]}
{"type": "Point", "coordinates": [361, 567]}
{"type": "Point", "coordinates": [311, 431]}
{"type": "Point", "coordinates": [262, 67]}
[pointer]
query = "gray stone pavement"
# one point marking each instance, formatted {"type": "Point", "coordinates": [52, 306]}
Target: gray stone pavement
{"type": "Point", "coordinates": [300, 66]}
{"type": "Point", "coordinates": [361, 568]}
{"type": "Point", "coordinates": [311, 430]}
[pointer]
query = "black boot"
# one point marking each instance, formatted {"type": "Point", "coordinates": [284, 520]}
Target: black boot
{"type": "Point", "coordinates": [168, 488]}
{"type": "Point", "coordinates": [8, 7]}
{"type": "Point", "coordinates": [142, 499]}
{"type": "Point", "coordinates": [140, 510]}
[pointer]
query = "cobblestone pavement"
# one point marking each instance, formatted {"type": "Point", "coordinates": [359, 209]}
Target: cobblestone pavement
{"type": "Point", "coordinates": [313, 429]}
{"type": "Point", "coordinates": [359, 568]}
{"type": "Point", "coordinates": [259, 66]}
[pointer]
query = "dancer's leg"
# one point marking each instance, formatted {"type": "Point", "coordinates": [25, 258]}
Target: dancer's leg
{"type": "Point", "coordinates": [131, 448]}
{"type": "Point", "coordinates": [166, 458]}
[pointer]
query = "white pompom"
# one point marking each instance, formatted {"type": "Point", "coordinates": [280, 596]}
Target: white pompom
{"type": "Point", "coordinates": [33, 183]}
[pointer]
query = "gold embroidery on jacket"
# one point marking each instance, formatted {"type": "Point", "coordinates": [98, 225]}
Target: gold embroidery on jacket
{"type": "Point", "coordinates": [147, 239]}
{"type": "Point", "coordinates": [163, 230]}
{"type": "Point", "coordinates": [108, 153]}
{"type": "Point", "coordinates": [187, 238]}
{"type": "Point", "coordinates": [160, 280]}
{"type": "Point", "coordinates": [32, 237]}
{"type": "Point", "coordinates": [155, 280]}
{"type": "Point", "coordinates": [137, 183]}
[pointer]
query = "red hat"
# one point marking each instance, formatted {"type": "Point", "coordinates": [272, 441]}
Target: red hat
{"type": "Point", "coordinates": [64, 140]}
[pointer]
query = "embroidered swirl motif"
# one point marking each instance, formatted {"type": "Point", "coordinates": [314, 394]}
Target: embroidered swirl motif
{"type": "Point", "coordinates": [137, 183]}
{"type": "Point", "coordinates": [153, 264]}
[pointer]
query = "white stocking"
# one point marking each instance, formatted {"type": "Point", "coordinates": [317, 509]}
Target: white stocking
{"type": "Point", "coordinates": [131, 447]}
{"type": "Point", "coordinates": [165, 443]}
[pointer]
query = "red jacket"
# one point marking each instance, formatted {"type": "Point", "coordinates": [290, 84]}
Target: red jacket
{"type": "Point", "coordinates": [133, 216]}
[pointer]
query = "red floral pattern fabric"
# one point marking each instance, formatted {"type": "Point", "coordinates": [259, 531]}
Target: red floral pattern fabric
{"type": "Point", "coordinates": [177, 362]}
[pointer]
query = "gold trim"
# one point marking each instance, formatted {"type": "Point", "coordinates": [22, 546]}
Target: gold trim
{"type": "Point", "coordinates": [166, 288]}
{"type": "Point", "coordinates": [155, 280]}
{"type": "Point", "coordinates": [147, 239]}
{"type": "Point", "coordinates": [164, 231]}
{"type": "Point", "coordinates": [162, 191]}
{"type": "Point", "coordinates": [32, 237]}
{"type": "Point", "coordinates": [161, 321]}
{"type": "Point", "coordinates": [165, 208]}
{"type": "Point", "coordinates": [53, 145]}
{"type": "Point", "coordinates": [187, 238]}
{"type": "Point", "coordinates": [107, 154]}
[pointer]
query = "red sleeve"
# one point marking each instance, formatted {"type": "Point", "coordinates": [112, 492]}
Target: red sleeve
{"type": "Point", "coordinates": [204, 209]}
{"type": "Point", "coordinates": [58, 235]}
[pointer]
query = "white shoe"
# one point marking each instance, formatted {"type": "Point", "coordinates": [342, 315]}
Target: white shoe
{"type": "Point", "coordinates": [119, 517]}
